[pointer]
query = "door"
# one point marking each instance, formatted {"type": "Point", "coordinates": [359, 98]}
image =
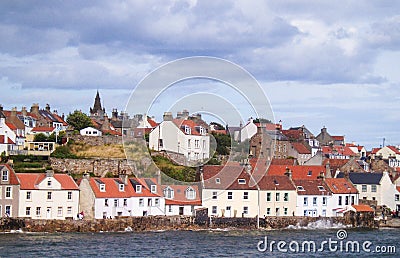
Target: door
{"type": "Point", "coordinates": [180, 210]}
{"type": "Point", "coordinates": [48, 213]}
{"type": "Point", "coordinates": [228, 211]}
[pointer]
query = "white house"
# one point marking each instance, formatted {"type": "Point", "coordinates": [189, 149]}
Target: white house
{"type": "Point", "coordinates": [374, 186]}
{"type": "Point", "coordinates": [312, 198]}
{"type": "Point", "coordinates": [247, 131]}
{"type": "Point", "coordinates": [47, 196]}
{"type": "Point", "coordinates": [90, 131]}
{"type": "Point", "coordinates": [182, 137]}
{"type": "Point", "coordinates": [344, 194]}
{"type": "Point", "coordinates": [115, 197]}
{"type": "Point", "coordinates": [181, 199]}
{"type": "Point", "coordinates": [388, 152]}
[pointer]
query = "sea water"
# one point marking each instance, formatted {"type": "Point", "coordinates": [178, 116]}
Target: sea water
{"type": "Point", "coordinates": [203, 243]}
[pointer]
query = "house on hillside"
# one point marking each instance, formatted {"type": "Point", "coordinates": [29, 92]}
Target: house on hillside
{"type": "Point", "coordinates": [90, 131]}
{"type": "Point", "coordinates": [181, 199]}
{"type": "Point", "coordinates": [325, 138]}
{"type": "Point", "coordinates": [300, 152]}
{"type": "Point", "coordinates": [181, 137]}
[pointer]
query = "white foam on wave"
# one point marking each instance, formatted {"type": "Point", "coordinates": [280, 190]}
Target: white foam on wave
{"type": "Point", "coordinates": [319, 224]}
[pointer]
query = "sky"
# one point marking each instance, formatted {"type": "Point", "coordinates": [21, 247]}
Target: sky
{"type": "Point", "coordinates": [320, 63]}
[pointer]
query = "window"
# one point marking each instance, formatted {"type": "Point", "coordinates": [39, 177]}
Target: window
{"type": "Point", "coordinates": [352, 200]}
{"type": "Point", "coordinates": [121, 187]}
{"type": "Point", "coordinates": [373, 188]}
{"type": "Point", "coordinates": [69, 195]}
{"type": "Point", "coordinates": [156, 202]}
{"type": "Point", "coordinates": [149, 202]}
{"type": "Point", "coordinates": [38, 211]}
{"type": "Point", "coordinates": [277, 212]}
{"type": "Point", "coordinates": [268, 211]}
{"type": "Point", "coordinates": [4, 175]}
{"type": "Point", "coordinates": [230, 195]}
{"type": "Point", "coordinates": [346, 200]}
{"type": "Point", "coordinates": [324, 200]}
{"type": "Point", "coordinates": [314, 201]}
{"type": "Point", "coordinates": [138, 188]}
{"type": "Point", "coordinates": [196, 144]}
{"type": "Point", "coordinates": [218, 180]}
{"type": "Point", "coordinates": [106, 202]}
{"type": "Point", "coordinates": [49, 195]}
{"type": "Point", "coordinates": [59, 211]}
{"type": "Point", "coordinates": [153, 188]}
{"type": "Point", "coordinates": [28, 195]}
{"type": "Point", "coordinates": [141, 202]}
{"type": "Point", "coordinates": [277, 197]}
{"type": "Point", "coordinates": [49, 183]}
{"type": "Point", "coordinates": [245, 210]}
{"type": "Point", "coordinates": [309, 173]}
{"type": "Point", "coordinates": [214, 195]}
{"type": "Point", "coordinates": [69, 210]}
{"type": "Point", "coordinates": [188, 143]}
{"type": "Point", "coordinates": [396, 197]}
{"type": "Point", "coordinates": [214, 209]}
{"type": "Point", "coordinates": [125, 202]}
{"type": "Point", "coordinates": [8, 192]}
{"type": "Point", "coordinates": [300, 188]}
{"type": "Point", "coordinates": [102, 187]}
{"type": "Point", "coordinates": [305, 201]}
{"type": "Point", "coordinates": [204, 144]}
{"type": "Point", "coordinates": [340, 200]}
{"type": "Point", "coordinates": [190, 193]}
{"type": "Point", "coordinates": [321, 188]}
{"type": "Point", "coordinates": [169, 208]}
{"type": "Point", "coordinates": [268, 197]}
{"type": "Point", "coordinates": [8, 210]}
{"type": "Point", "coordinates": [160, 143]}
{"type": "Point", "coordinates": [168, 193]}
{"type": "Point", "coordinates": [28, 211]}
{"type": "Point", "coordinates": [285, 211]}
{"type": "Point", "coordinates": [364, 188]}
{"type": "Point", "coordinates": [286, 197]}
{"type": "Point", "coordinates": [245, 195]}
{"type": "Point", "coordinates": [115, 202]}
{"type": "Point", "coordinates": [241, 181]}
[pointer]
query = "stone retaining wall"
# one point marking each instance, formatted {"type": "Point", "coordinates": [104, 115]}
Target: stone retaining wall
{"type": "Point", "coordinates": [97, 140]}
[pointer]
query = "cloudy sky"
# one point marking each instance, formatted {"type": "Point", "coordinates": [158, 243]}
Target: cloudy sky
{"type": "Point", "coordinates": [321, 63]}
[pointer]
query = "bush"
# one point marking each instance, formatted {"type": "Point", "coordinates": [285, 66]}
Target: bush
{"type": "Point", "coordinates": [63, 152]}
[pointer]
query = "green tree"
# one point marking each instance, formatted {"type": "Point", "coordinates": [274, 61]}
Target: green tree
{"type": "Point", "coordinates": [223, 143]}
{"type": "Point", "coordinates": [79, 120]}
{"type": "Point", "coordinates": [40, 137]}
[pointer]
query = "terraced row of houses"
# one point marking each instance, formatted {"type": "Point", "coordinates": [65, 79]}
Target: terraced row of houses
{"type": "Point", "coordinates": [233, 190]}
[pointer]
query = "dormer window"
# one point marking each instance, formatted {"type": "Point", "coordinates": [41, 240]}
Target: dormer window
{"type": "Point", "coordinates": [4, 175]}
{"type": "Point", "coordinates": [321, 188]}
{"type": "Point", "coordinates": [300, 188]}
{"type": "Point", "coordinates": [190, 193]}
{"type": "Point", "coordinates": [168, 193]}
{"type": "Point", "coordinates": [153, 188]}
{"type": "Point", "coordinates": [138, 188]}
{"type": "Point", "coordinates": [102, 187]}
{"type": "Point", "coordinates": [187, 129]}
{"type": "Point", "coordinates": [276, 182]}
{"type": "Point", "coordinates": [309, 173]}
{"type": "Point", "coordinates": [121, 187]}
{"type": "Point", "coordinates": [218, 180]}
{"type": "Point", "coordinates": [241, 181]}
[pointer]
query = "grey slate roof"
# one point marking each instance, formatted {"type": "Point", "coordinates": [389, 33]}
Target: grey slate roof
{"type": "Point", "coordinates": [363, 178]}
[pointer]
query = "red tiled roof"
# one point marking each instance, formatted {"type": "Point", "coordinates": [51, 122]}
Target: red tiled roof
{"type": "Point", "coordinates": [311, 187]}
{"type": "Point", "coordinates": [43, 129]}
{"type": "Point", "coordinates": [31, 180]}
{"type": "Point", "coordinates": [340, 186]}
{"type": "Point", "coordinates": [338, 149]}
{"type": "Point", "coordinates": [181, 122]}
{"type": "Point", "coordinates": [286, 162]}
{"type": "Point", "coordinates": [11, 126]}
{"type": "Point", "coordinates": [293, 134]}
{"type": "Point", "coordinates": [300, 148]}
{"type": "Point", "coordinates": [152, 122]}
{"type": "Point", "coordinates": [375, 150]}
{"type": "Point", "coordinates": [398, 188]}
{"type": "Point", "coordinates": [2, 140]}
{"type": "Point", "coordinates": [219, 131]}
{"type": "Point", "coordinates": [59, 119]}
{"type": "Point", "coordinates": [180, 195]}
{"type": "Point", "coordinates": [111, 188]}
{"type": "Point", "coordinates": [298, 172]}
{"type": "Point", "coordinates": [338, 137]}
{"type": "Point", "coordinates": [363, 208]}
{"type": "Point", "coordinates": [394, 149]}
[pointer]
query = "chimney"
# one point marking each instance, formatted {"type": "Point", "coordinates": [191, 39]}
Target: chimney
{"type": "Point", "coordinates": [167, 116]}
{"type": "Point", "coordinates": [14, 112]}
{"type": "Point", "coordinates": [1, 107]}
{"type": "Point", "coordinates": [35, 108]}
{"type": "Point", "coordinates": [47, 107]}
{"type": "Point", "coordinates": [321, 176]}
{"type": "Point", "coordinates": [55, 111]}
{"type": "Point", "coordinates": [49, 173]}
{"type": "Point", "coordinates": [185, 114]}
{"type": "Point", "coordinates": [328, 173]}
{"type": "Point", "coordinates": [114, 115]}
{"type": "Point", "coordinates": [62, 116]}
{"type": "Point", "coordinates": [323, 130]}
{"type": "Point", "coordinates": [24, 112]}
{"type": "Point", "coordinates": [106, 124]}
{"type": "Point", "coordinates": [124, 177]}
{"type": "Point", "coordinates": [288, 173]}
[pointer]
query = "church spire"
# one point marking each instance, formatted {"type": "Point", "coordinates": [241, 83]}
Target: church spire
{"type": "Point", "coordinates": [97, 110]}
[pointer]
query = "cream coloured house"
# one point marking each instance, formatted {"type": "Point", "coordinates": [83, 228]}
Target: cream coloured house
{"type": "Point", "coordinates": [47, 196]}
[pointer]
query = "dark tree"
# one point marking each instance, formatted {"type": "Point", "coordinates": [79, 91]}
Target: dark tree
{"type": "Point", "coordinates": [79, 120]}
